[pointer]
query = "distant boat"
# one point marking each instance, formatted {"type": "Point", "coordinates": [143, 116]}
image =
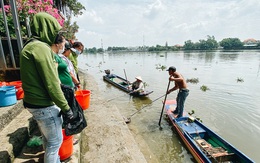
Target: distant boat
{"type": "Point", "coordinates": [204, 144]}
{"type": "Point", "coordinates": [123, 84]}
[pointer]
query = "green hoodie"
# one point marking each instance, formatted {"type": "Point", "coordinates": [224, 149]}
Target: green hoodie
{"type": "Point", "coordinates": [39, 74]}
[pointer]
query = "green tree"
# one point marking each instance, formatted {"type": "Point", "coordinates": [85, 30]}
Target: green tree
{"type": "Point", "coordinates": [189, 45]}
{"type": "Point", "coordinates": [100, 50]}
{"type": "Point", "coordinates": [71, 29]}
{"type": "Point", "coordinates": [69, 7]}
{"type": "Point", "coordinates": [231, 43]}
{"type": "Point", "coordinates": [208, 44]}
{"type": "Point", "coordinates": [211, 43]}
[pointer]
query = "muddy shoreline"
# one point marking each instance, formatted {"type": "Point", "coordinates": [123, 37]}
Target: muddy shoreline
{"type": "Point", "coordinates": [107, 137]}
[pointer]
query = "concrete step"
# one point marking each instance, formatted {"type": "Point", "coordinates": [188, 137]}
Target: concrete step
{"type": "Point", "coordinates": [36, 154]}
{"type": "Point", "coordinates": [15, 134]}
{"type": "Point", "coordinates": [7, 114]}
{"type": "Point", "coordinates": [16, 128]}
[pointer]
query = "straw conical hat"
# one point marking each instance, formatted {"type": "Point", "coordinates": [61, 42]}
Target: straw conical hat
{"type": "Point", "coordinates": [139, 78]}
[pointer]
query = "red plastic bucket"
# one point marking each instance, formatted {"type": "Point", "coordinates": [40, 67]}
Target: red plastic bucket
{"type": "Point", "coordinates": [66, 148]}
{"type": "Point", "coordinates": [83, 98]}
{"type": "Point", "coordinates": [19, 89]}
{"type": "Point", "coordinates": [3, 84]}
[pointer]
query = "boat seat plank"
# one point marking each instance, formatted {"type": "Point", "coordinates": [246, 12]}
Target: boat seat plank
{"type": "Point", "coordinates": [192, 128]}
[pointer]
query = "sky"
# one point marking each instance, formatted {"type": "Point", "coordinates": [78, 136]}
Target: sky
{"type": "Point", "coordinates": [130, 23]}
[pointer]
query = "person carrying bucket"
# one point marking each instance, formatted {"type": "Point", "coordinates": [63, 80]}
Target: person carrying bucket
{"type": "Point", "coordinates": [43, 96]}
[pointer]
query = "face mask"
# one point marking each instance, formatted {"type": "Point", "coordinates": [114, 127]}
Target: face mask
{"type": "Point", "coordinates": [61, 50]}
{"type": "Point", "coordinates": [77, 52]}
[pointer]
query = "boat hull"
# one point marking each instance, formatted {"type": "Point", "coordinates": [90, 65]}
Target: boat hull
{"type": "Point", "coordinates": [123, 85]}
{"type": "Point", "coordinates": [204, 144]}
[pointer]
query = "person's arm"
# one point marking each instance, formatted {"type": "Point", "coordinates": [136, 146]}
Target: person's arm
{"type": "Point", "coordinates": [73, 61]}
{"type": "Point", "coordinates": [177, 78]}
{"type": "Point", "coordinates": [141, 87]}
{"type": "Point", "coordinates": [75, 80]}
{"type": "Point", "coordinates": [48, 72]}
{"type": "Point", "coordinates": [71, 71]}
{"type": "Point", "coordinates": [175, 85]}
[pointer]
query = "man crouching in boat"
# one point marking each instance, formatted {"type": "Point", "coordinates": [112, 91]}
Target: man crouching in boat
{"type": "Point", "coordinates": [137, 86]}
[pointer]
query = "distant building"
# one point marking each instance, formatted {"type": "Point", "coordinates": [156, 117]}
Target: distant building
{"type": "Point", "coordinates": [178, 46]}
{"type": "Point", "coordinates": [251, 42]}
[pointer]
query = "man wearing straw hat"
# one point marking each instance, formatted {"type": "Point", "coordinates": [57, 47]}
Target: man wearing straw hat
{"type": "Point", "coordinates": [138, 85]}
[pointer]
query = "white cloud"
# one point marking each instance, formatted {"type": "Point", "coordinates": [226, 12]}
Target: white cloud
{"type": "Point", "coordinates": [126, 23]}
{"type": "Point", "coordinates": [153, 9]}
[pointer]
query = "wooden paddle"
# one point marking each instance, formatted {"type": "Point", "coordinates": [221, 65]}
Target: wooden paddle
{"type": "Point", "coordinates": [164, 103]}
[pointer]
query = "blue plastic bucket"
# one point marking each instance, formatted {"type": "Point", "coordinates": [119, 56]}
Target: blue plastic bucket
{"type": "Point", "coordinates": [7, 95]}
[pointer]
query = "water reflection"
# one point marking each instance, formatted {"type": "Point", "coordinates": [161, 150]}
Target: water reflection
{"type": "Point", "coordinates": [207, 56]}
{"type": "Point", "coordinates": [141, 102]}
{"type": "Point", "coordinates": [228, 56]}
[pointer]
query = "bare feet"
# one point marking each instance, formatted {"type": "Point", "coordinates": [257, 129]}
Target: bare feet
{"type": "Point", "coordinates": [175, 115]}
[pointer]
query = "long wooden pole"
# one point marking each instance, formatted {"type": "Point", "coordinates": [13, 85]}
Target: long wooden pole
{"type": "Point", "coordinates": [126, 79]}
{"type": "Point", "coordinates": [164, 102]}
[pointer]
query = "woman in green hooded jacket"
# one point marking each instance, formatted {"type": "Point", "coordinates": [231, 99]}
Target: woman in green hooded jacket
{"type": "Point", "coordinates": [43, 96]}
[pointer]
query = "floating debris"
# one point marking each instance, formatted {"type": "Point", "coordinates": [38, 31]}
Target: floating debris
{"type": "Point", "coordinates": [161, 55]}
{"type": "Point", "coordinates": [204, 88]}
{"type": "Point", "coordinates": [240, 80]}
{"type": "Point", "coordinates": [161, 67]}
{"type": "Point", "coordinates": [193, 80]}
{"type": "Point", "coordinates": [193, 112]}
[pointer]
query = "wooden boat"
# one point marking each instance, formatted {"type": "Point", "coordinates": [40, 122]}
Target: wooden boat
{"type": "Point", "coordinates": [204, 144]}
{"type": "Point", "coordinates": [123, 84]}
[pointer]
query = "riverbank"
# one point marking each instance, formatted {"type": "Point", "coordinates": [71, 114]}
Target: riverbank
{"type": "Point", "coordinates": [107, 137]}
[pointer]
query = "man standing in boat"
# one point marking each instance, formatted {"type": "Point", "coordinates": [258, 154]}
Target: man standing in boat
{"type": "Point", "coordinates": [180, 84]}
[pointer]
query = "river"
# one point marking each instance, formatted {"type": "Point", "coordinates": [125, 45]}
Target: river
{"type": "Point", "coordinates": [231, 106]}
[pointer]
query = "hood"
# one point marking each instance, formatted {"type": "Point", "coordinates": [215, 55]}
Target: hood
{"type": "Point", "coordinates": [45, 27]}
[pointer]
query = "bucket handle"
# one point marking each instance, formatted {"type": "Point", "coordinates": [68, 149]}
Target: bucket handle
{"type": "Point", "coordinates": [80, 91]}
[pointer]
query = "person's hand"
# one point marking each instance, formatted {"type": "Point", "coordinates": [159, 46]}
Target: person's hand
{"type": "Point", "coordinates": [77, 85]}
{"type": "Point", "coordinates": [171, 78]}
{"type": "Point", "coordinates": [169, 91]}
{"type": "Point", "coordinates": [68, 116]}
